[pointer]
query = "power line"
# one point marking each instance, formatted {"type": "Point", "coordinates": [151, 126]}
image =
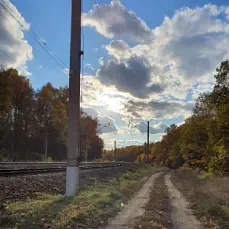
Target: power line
{"type": "Point", "coordinates": [22, 66]}
{"type": "Point", "coordinates": [35, 36]}
{"type": "Point", "coordinates": [39, 39]}
{"type": "Point", "coordinates": [97, 10]}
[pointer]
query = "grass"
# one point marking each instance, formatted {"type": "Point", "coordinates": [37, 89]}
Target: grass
{"type": "Point", "coordinates": [91, 208]}
{"type": "Point", "coordinates": [208, 195]}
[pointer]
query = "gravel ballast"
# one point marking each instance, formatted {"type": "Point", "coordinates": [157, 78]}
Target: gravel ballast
{"type": "Point", "coordinates": [21, 187]}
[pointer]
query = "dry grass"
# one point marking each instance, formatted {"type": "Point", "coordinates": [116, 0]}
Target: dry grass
{"type": "Point", "coordinates": [208, 196]}
{"type": "Point", "coordinates": [158, 210]}
{"type": "Point", "coordinates": [90, 209]}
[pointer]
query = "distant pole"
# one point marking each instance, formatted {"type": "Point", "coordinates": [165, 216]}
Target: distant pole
{"type": "Point", "coordinates": [115, 150]}
{"type": "Point", "coordinates": [147, 152]}
{"type": "Point", "coordinates": [73, 144]}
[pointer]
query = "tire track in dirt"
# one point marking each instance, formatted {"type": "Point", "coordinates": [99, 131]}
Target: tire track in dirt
{"type": "Point", "coordinates": [181, 214]}
{"type": "Point", "coordinates": [135, 207]}
{"type": "Point", "coordinates": [158, 210]}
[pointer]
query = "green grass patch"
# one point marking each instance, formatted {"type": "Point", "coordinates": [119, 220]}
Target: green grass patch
{"type": "Point", "coordinates": [207, 195]}
{"type": "Point", "coordinates": [91, 208]}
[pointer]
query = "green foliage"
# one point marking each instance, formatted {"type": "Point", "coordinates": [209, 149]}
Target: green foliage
{"type": "Point", "coordinates": [203, 140]}
{"type": "Point", "coordinates": [48, 159]}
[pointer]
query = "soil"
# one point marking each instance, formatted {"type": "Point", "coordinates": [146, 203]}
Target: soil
{"type": "Point", "coordinates": [134, 208]}
{"type": "Point", "coordinates": [158, 205]}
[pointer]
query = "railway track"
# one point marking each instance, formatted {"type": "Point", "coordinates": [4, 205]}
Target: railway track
{"type": "Point", "coordinates": [26, 171]}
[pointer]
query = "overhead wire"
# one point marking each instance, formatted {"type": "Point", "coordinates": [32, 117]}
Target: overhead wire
{"type": "Point", "coordinates": [21, 66]}
{"type": "Point", "coordinates": [100, 21]}
{"type": "Point", "coordinates": [34, 35]}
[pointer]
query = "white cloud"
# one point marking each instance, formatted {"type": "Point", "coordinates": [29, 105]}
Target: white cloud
{"type": "Point", "coordinates": [179, 58]}
{"type": "Point", "coordinates": [89, 66]}
{"type": "Point", "coordinates": [227, 13]}
{"type": "Point", "coordinates": [185, 50]}
{"type": "Point", "coordinates": [159, 109]}
{"type": "Point", "coordinates": [106, 124]}
{"type": "Point", "coordinates": [66, 71]}
{"type": "Point", "coordinates": [153, 129]}
{"type": "Point", "coordinates": [91, 90]}
{"type": "Point", "coordinates": [14, 49]}
{"type": "Point", "coordinates": [114, 20]}
{"type": "Point", "coordinates": [119, 49]}
{"type": "Point", "coordinates": [201, 88]}
{"type": "Point", "coordinates": [132, 76]}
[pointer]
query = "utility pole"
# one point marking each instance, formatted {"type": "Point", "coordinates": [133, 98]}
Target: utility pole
{"type": "Point", "coordinates": [115, 150]}
{"type": "Point", "coordinates": [145, 156]}
{"type": "Point", "coordinates": [72, 171]}
{"type": "Point", "coordinates": [147, 149]}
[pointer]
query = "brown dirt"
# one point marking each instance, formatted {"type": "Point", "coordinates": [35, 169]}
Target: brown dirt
{"type": "Point", "coordinates": [158, 209]}
{"type": "Point", "coordinates": [182, 216]}
{"type": "Point", "coordinates": [134, 208]}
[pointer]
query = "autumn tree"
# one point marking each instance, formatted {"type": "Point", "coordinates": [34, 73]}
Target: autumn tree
{"type": "Point", "coordinates": [33, 125]}
{"type": "Point", "coordinates": [203, 140]}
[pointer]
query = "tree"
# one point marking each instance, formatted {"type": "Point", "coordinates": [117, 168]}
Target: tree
{"type": "Point", "coordinates": [203, 140]}
{"type": "Point", "coordinates": [33, 124]}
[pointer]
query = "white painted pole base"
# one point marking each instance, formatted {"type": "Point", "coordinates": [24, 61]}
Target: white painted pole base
{"type": "Point", "coordinates": [72, 181]}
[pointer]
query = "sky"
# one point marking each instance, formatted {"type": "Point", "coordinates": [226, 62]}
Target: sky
{"type": "Point", "coordinates": [143, 60]}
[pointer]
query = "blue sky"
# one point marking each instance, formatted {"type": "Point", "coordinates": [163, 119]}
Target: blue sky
{"type": "Point", "coordinates": [148, 61]}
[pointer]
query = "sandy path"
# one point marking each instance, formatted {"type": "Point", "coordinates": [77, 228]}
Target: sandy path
{"type": "Point", "coordinates": [181, 215]}
{"type": "Point", "coordinates": [134, 208]}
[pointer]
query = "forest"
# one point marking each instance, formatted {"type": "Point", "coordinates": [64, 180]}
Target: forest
{"type": "Point", "coordinates": [33, 124]}
{"type": "Point", "coordinates": [203, 140]}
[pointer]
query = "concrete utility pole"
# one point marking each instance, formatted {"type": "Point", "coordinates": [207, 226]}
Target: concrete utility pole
{"type": "Point", "coordinates": [72, 172]}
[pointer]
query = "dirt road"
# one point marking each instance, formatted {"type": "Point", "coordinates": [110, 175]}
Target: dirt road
{"type": "Point", "coordinates": [158, 205]}
{"type": "Point", "coordinates": [182, 216]}
{"type": "Point", "coordinates": [135, 207]}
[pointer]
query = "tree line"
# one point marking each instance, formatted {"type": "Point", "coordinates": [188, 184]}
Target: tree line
{"type": "Point", "coordinates": [203, 140]}
{"type": "Point", "coordinates": [129, 153]}
{"type": "Point", "coordinates": [33, 124]}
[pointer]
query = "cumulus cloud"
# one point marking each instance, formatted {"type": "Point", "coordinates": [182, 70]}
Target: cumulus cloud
{"type": "Point", "coordinates": [91, 89]}
{"type": "Point", "coordinates": [132, 76]}
{"type": "Point", "coordinates": [153, 129]}
{"type": "Point", "coordinates": [201, 88]}
{"type": "Point", "coordinates": [14, 49]}
{"type": "Point", "coordinates": [118, 49]}
{"type": "Point", "coordinates": [114, 20]}
{"type": "Point", "coordinates": [159, 109]}
{"type": "Point", "coordinates": [185, 50]}
{"type": "Point", "coordinates": [191, 43]}
{"type": "Point", "coordinates": [106, 123]}
{"type": "Point", "coordinates": [176, 63]}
